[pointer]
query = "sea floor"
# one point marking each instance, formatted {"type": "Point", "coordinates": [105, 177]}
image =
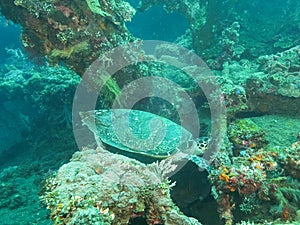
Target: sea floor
{"type": "Point", "coordinates": [24, 168]}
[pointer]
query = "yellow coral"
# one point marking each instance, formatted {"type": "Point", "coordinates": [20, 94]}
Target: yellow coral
{"type": "Point", "coordinates": [224, 177]}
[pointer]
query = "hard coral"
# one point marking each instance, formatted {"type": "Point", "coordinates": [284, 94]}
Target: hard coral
{"type": "Point", "coordinates": [61, 27]}
{"type": "Point", "coordinates": [244, 133]}
{"type": "Point", "coordinates": [264, 179]}
{"type": "Point", "coordinates": [98, 187]}
{"type": "Point", "coordinates": [291, 160]}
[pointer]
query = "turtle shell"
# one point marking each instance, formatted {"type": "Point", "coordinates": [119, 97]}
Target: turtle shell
{"type": "Point", "coordinates": [139, 132]}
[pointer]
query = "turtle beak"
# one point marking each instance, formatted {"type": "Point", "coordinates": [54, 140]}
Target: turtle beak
{"type": "Point", "coordinates": [87, 117]}
{"type": "Point", "coordinates": [82, 114]}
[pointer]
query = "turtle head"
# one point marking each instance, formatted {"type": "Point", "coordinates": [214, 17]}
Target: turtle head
{"type": "Point", "coordinates": [196, 146]}
{"type": "Point", "coordinates": [88, 119]}
{"type": "Point", "coordinates": [202, 145]}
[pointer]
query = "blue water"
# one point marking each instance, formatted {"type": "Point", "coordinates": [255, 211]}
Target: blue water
{"type": "Point", "coordinates": [156, 24]}
{"type": "Point", "coordinates": [10, 37]}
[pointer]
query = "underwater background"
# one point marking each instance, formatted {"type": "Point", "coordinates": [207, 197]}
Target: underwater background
{"type": "Point", "coordinates": [251, 47]}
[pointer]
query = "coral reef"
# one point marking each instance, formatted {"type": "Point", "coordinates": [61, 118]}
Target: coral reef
{"type": "Point", "coordinates": [231, 50]}
{"type": "Point", "coordinates": [244, 133]}
{"type": "Point", "coordinates": [75, 33]}
{"type": "Point", "coordinates": [291, 159]}
{"type": "Point", "coordinates": [18, 194]}
{"type": "Point", "coordinates": [268, 85]}
{"type": "Point", "coordinates": [235, 97]}
{"type": "Point", "coordinates": [98, 187]}
{"type": "Point", "coordinates": [48, 91]}
{"type": "Point", "coordinates": [212, 21]}
{"type": "Point", "coordinates": [264, 181]}
{"type": "Point", "coordinates": [251, 180]}
{"type": "Point", "coordinates": [282, 71]}
{"type": "Point", "coordinates": [276, 83]}
{"type": "Point", "coordinates": [32, 97]}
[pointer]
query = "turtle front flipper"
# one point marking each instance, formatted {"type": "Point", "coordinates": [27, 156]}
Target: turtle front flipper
{"type": "Point", "coordinates": [180, 159]}
{"type": "Point", "coordinates": [202, 163]}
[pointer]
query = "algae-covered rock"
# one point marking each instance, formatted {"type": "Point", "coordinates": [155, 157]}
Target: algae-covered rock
{"type": "Point", "coordinates": [283, 71]}
{"type": "Point", "coordinates": [274, 88]}
{"type": "Point", "coordinates": [74, 33]}
{"type": "Point", "coordinates": [98, 187]}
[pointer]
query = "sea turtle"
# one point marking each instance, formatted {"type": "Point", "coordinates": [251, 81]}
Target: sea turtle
{"type": "Point", "coordinates": [143, 133]}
